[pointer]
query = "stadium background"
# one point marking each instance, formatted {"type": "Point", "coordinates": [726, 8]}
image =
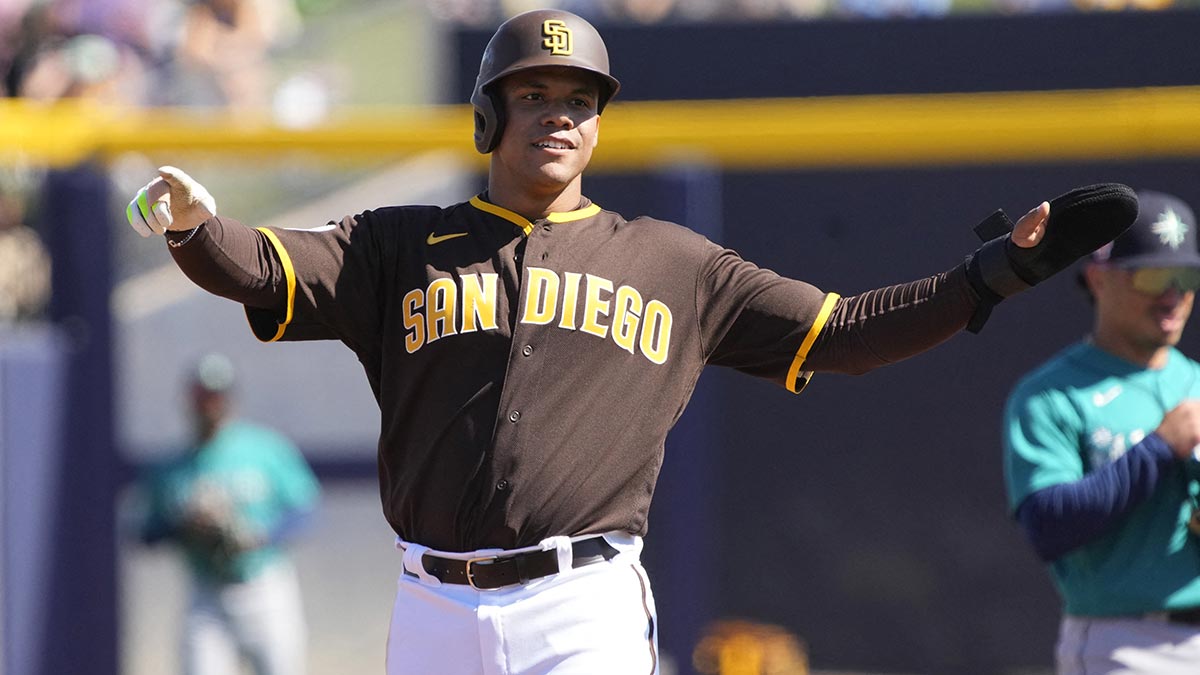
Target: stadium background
{"type": "Point", "coordinates": [866, 518]}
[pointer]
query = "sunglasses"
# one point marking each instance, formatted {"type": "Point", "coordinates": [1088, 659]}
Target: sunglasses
{"type": "Point", "coordinates": [1158, 279]}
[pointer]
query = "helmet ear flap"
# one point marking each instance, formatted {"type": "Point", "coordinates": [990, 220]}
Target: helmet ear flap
{"type": "Point", "coordinates": [489, 121]}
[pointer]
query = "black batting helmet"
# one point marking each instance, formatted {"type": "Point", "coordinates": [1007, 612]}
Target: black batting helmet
{"type": "Point", "coordinates": [543, 37]}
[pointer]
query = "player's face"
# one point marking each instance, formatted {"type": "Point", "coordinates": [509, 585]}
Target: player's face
{"type": "Point", "coordinates": [551, 128]}
{"type": "Point", "coordinates": [208, 408]}
{"type": "Point", "coordinates": [1145, 320]}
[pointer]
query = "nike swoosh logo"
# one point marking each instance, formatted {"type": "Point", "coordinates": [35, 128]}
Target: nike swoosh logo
{"type": "Point", "coordinates": [1100, 400]}
{"type": "Point", "coordinates": [433, 239]}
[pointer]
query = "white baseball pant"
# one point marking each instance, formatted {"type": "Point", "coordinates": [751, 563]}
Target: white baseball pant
{"type": "Point", "coordinates": [1127, 646]}
{"type": "Point", "coordinates": [261, 621]}
{"type": "Point", "coordinates": [598, 618]}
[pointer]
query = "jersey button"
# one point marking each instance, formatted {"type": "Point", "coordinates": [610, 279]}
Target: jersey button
{"type": "Point", "coordinates": [548, 227]}
{"type": "Point", "coordinates": [527, 350]}
{"type": "Point", "coordinates": [502, 485]}
{"type": "Point", "coordinates": [514, 416]}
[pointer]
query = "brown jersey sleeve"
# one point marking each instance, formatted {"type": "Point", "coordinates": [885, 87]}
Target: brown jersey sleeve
{"type": "Point", "coordinates": [755, 320]}
{"type": "Point", "coordinates": [233, 261]}
{"type": "Point", "coordinates": [784, 330]}
{"type": "Point", "coordinates": [295, 284]}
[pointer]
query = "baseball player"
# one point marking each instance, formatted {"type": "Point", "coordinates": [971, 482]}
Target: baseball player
{"type": "Point", "coordinates": [230, 504]}
{"type": "Point", "coordinates": [530, 351]}
{"type": "Point", "coordinates": [1098, 457]}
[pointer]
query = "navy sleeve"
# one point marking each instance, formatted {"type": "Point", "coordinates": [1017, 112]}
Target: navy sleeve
{"type": "Point", "coordinates": [1063, 517]}
{"type": "Point", "coordinates": [156, 531]}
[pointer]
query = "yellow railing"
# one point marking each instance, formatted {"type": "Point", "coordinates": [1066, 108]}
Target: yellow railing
{"type": "Point", "coordinates": [894, 130]}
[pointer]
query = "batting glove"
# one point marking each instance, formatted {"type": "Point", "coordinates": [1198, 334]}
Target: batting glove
{"type": "Point", "coordinates": [172, 202]}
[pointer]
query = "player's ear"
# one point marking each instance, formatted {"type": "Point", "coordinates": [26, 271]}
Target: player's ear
{"type": "Point", "coordinates": [1093, 277]}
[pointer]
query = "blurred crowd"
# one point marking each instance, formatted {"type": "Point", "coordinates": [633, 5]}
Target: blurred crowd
{"type": "Point", "coordinates": [196, 52]}
{"type": "Point", "coordinates": [127, 52]}
{"type": "Point", "coordinates": [24, 262]}
{"type": "Point", "coordinates": [218, 52]}
{"type": "Point", "coordinates": [157, 52]}
{"type": "Point", "coordinates": [491, 12]}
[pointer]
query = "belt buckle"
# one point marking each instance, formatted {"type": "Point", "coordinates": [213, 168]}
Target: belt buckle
{"type": "Point", "coordinates": [485, 560]}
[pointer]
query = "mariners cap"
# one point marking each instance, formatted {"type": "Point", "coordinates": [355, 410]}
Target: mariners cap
{"type": "Point", "coordinates": [214, 373]}
{"type": "Point", "coordinates": [1164, 235]}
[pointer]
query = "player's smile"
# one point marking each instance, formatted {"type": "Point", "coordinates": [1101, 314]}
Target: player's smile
{"type": "Point", "coordinates": [554, 144]}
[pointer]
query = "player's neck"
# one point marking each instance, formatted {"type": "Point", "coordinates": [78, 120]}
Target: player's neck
{"type": "Point", "coordinates": [534, 204]}
{"type": "Point", "coordinates": [206, 429]}
{"type": "Point", "coordinates": [1150, 357]}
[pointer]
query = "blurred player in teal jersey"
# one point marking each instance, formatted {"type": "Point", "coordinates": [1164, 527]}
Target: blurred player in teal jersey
{"type": "Point", "coordinates": [1099, 458]}
{"type": "Point", "coordinates": [231, 503]}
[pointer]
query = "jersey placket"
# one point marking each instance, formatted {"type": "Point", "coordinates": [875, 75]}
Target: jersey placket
{"type": "Point", "coordinates": [522, 372]}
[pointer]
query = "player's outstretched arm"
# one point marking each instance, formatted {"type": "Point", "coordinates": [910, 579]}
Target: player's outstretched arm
{"type": "Point", "coordinates": [890, 324]}
{"type": "Point", "coordinates": [220, 255]}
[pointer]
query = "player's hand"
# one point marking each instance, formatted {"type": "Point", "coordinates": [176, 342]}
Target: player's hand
{"type": "Point", "coordinates": [1044, 242]}
{"type": "Point", "coordinates": [242, 537]}
{"type": "Point", "coordinates": [1030, 229]}
{"type": "Point", "coordinates": [1180, 428]}
{"type": "Point", "coordinates": [1052, 236]}
{"type": "Point", "coordinates": [172, 202]}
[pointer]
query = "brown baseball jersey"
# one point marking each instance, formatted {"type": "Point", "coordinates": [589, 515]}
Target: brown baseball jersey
{"type": "Point", "coordinates": [528, 372]}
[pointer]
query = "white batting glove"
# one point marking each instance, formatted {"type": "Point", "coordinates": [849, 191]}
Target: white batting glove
{"type": "Point", "coordinates": [172, 202]}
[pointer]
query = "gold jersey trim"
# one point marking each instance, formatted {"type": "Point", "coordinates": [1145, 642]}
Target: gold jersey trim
{"type": "Point", "coordinates": [523, 223]}
{"type": "Point", "coordinates": [289, 272]}
{"type": "Point", "coordinates": [578, 214]}
{"type": "Point", "coordinates": [797, 379]}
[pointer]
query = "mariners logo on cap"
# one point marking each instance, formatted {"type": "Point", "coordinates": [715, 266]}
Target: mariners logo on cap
{"type": "Point", "coordinates": [1170, 229]}
{"type": "Point", "coordinates": [558, 37]}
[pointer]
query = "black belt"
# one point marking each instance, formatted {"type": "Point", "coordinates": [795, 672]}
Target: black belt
{"type": "Point", "coordinates": [1190, 616]}
{"type": "Point", "coordinates": [492, 572]}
